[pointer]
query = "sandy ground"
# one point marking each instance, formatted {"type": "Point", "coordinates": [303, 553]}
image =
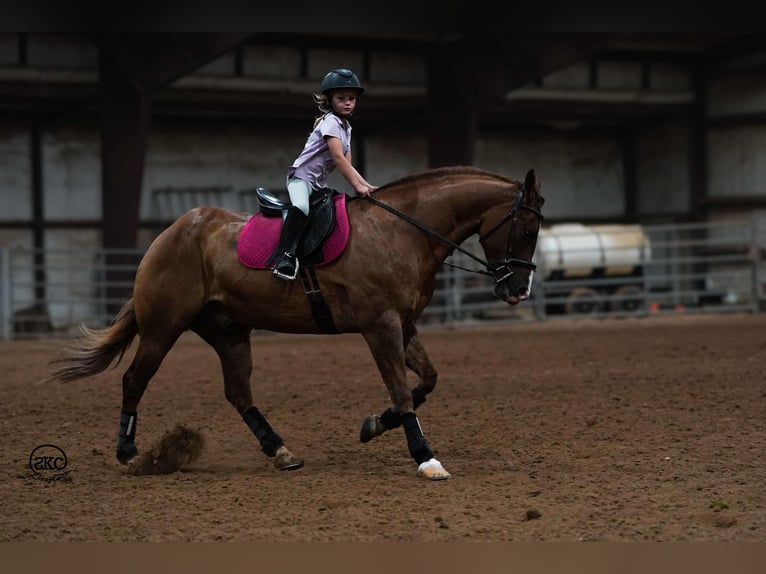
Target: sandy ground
{"type": "Point", "coordinates": [649, 429]}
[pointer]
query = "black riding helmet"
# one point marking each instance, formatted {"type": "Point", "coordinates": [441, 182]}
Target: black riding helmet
{"type": "Point", "coordinates": [340, 79]}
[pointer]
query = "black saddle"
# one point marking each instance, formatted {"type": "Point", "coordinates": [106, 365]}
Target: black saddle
{"type": "Point", "coordinates": [321, 221]}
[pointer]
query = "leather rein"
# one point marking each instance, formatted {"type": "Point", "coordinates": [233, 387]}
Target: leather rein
{"type": "Point", "coordinates": [498, 271]}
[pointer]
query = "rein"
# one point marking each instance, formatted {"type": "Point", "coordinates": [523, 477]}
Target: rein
{"type": "Point", "coordinates": [499, 272]}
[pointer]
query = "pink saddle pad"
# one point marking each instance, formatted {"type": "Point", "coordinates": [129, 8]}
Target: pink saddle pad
{"type": "Point", "coordinates": [260, 236]}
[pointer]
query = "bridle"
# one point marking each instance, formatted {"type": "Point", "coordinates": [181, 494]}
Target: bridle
{"type": "Point", "coordinates": [502, 270]}
{"type": "Point", "coordinates": [499, 271]}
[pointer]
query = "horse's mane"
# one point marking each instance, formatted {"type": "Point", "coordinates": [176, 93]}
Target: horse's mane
{"type": "Point", "coordinates": [438, 172]}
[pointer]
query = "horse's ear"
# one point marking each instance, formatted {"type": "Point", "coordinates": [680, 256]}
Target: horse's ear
{"type": "Point", "coordinates": [532, 182]}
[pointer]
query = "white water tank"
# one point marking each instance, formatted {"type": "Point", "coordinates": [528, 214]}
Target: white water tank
{"type": "Point", "coordinates": [577, 250]}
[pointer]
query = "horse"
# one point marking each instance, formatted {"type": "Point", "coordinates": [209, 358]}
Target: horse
{"type": "Point", "coordinates": [190, 279]}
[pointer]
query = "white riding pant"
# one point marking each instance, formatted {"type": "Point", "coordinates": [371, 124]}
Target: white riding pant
{"type": "Point", "coordinates": [300, 191]}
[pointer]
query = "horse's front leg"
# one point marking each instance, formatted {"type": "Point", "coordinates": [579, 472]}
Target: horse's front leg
{"type": "Point", "coordinates": [417, 360]}
{"type": "Point", "coordinates": [386, 342]}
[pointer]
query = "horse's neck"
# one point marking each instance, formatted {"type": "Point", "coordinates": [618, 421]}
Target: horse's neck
{"type": "Point", "coordinates": [453, 206]}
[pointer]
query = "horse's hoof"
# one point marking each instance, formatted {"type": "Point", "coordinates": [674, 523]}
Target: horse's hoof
{"type": "Point", "coordinates": [126, 453]}
{"type": "Point", "coordinates": [285, 460]}
{"type": "Point", "coordinates": [369, 428]}
{"type": "Point", "coordinates": [432, 469]}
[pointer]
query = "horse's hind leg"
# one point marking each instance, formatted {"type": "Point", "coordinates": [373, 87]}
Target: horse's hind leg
{"type": "Point", "coordinates": [231, 342]}
{"type": "Point", "coordinates": [416, 358]}
{"type": "Point", "coordinates": [147, 360]}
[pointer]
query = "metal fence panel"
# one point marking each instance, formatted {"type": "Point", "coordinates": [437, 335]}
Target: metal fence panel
{"type": "Point", "coordinates": [692, 268]}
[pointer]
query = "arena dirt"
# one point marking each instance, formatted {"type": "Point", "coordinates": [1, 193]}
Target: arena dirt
{"type": "Point", "coordinates": [650, 429]}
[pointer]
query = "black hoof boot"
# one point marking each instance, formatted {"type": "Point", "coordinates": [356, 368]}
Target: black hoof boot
{"type": "Point", "coordinates": [126, 453]}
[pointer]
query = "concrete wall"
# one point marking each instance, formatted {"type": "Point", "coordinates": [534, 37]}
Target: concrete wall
{"type": "Point", "coordinates": [581, 176]}
{"type": "Point", "coordinates": [663, 170]}
{"type": "Point", "coordinates": [72, 172]}
{"type": "Point", "coordinates": [15, 174]}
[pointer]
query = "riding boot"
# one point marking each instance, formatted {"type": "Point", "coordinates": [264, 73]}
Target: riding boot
{"type": "Point", "coordinates": [286, 266]}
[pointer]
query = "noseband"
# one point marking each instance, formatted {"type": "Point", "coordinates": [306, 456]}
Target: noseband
{"type": "Point", "coordinates": [498, 271]}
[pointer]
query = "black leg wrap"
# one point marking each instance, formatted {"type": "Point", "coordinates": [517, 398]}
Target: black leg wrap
{"type": "Point", "coordinates": [418, 397]}
{"type": "Point", "coordinates": [416, 442]}
{"type": "Point", "coordinates": [391, 418]}
{"type": "Point", "coordinates": [270, 441]}
{"type": "Point", "coordinates": [126, 438]}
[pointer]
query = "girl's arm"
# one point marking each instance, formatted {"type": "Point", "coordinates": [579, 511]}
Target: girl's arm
{"type": "Point", "coordinates": [343, 162]}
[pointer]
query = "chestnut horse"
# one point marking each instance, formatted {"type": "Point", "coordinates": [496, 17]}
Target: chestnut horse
{"type": "Point", "coordinates": [191, 279]}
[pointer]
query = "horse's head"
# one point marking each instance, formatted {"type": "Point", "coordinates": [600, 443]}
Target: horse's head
{"type": "Point", "coordinates": [509, 239]}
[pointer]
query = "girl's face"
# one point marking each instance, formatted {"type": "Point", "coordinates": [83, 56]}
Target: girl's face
{"type": "Point", "coordinates": [344, 102]}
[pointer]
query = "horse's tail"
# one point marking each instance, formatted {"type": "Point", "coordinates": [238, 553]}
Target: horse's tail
{"type": "Point", "coordinates": [97, 348]}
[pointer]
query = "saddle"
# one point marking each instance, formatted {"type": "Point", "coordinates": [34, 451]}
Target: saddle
{"type": "Point", "coordinates": [324, 239]}
{"type": "Point", "coordinates": [321, 219]}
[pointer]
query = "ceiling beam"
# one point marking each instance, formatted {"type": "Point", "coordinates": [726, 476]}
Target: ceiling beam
{"type": "Point", "coordinates": [151, 61]}
{"type": "Point", "coordinates": [484, 67]}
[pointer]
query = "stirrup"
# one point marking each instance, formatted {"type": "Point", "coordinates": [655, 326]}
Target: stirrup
{"type": "Point", "coordinates": [277, 273]}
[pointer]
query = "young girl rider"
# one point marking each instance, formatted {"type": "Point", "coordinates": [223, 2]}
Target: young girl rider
{"type": "Point", "coordinates": [327, 147]}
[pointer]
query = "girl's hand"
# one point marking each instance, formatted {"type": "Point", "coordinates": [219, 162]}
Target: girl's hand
{"type": "Point", "coordinates": [365, 190]}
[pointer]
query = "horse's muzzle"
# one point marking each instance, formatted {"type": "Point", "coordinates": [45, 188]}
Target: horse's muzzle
{"type": "Point", "coordinates": [511, 295]}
